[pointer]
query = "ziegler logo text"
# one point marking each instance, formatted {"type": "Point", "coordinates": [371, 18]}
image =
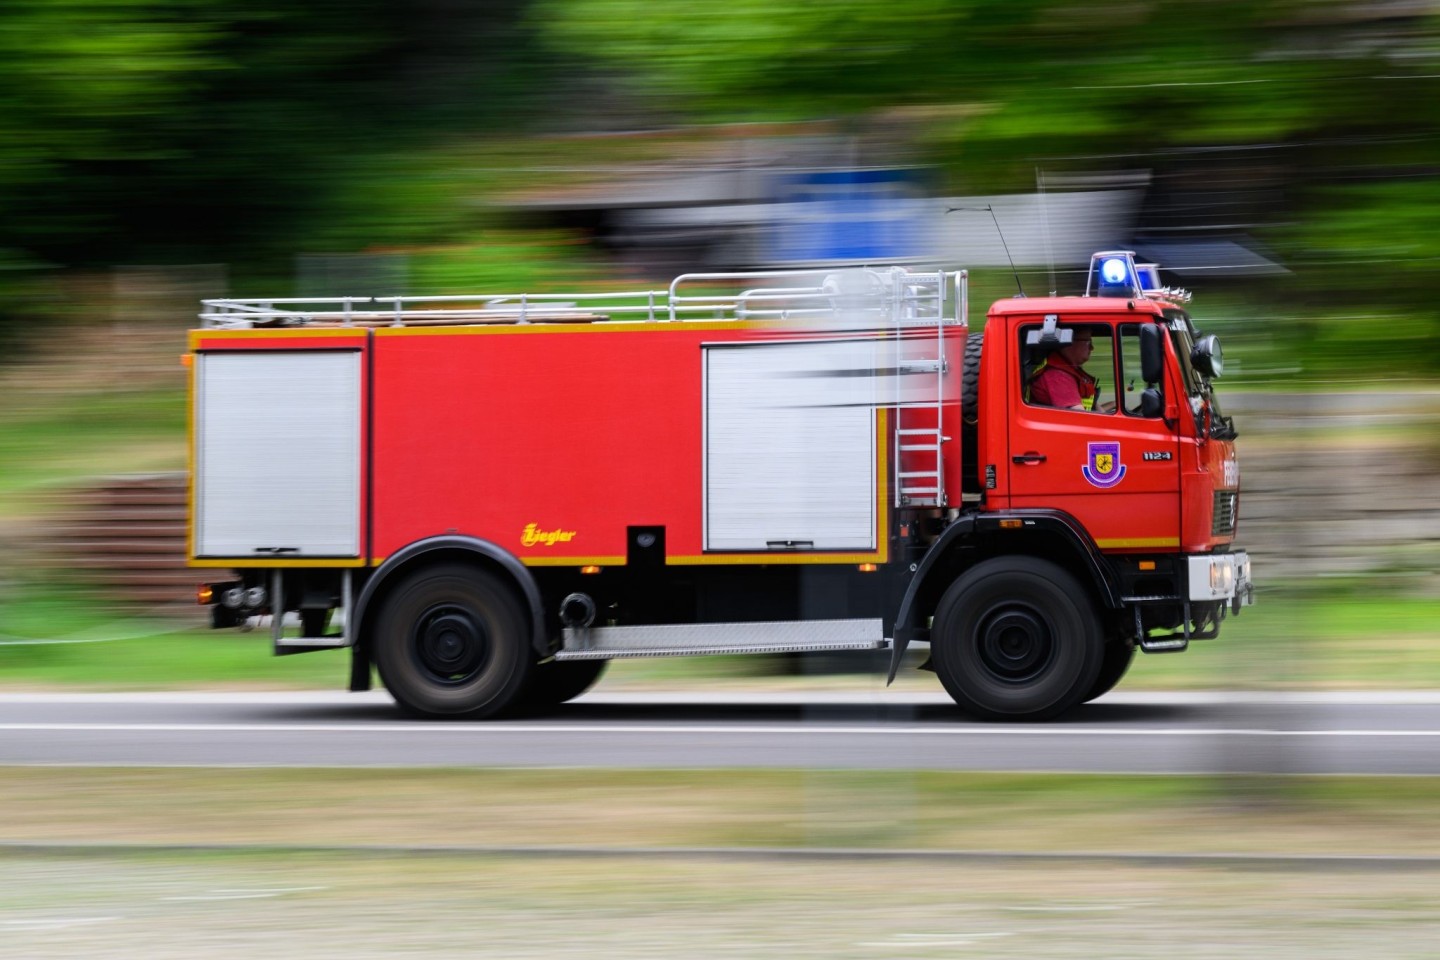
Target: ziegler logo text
{"type": "Point", "coordinates": [534, 535]}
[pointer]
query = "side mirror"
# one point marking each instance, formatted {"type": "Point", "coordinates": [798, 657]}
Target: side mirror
{"type": "Point", "coordinates": [1152, 404]}
{"type": "Point", "coordinates": [1152, 353]}
{"type": "Point", "coordinates": [1207, 357]}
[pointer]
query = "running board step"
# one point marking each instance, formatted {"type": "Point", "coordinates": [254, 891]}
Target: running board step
{"type": "Point", "coordinates": [330, 640]}
{"type": "Point", "coordinates": [700, 639]}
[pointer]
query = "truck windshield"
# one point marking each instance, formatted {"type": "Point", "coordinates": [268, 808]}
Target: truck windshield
{"type": "Point", "coordinates": [1200, 391]}
{"type": "Point", "coordinates": [1182, 335]}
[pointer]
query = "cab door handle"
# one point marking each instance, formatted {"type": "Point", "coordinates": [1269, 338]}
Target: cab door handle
{"type": "Point", "coordinates": [1029, 458]}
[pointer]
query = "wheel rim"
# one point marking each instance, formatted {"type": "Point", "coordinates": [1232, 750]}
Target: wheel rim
{"type": "Point", "coordinates": [450, 644]}
{"type": "Point", "coordinates": [1016, 644]}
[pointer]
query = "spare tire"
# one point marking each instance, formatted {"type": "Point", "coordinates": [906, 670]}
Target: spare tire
{"type": "Point", "coordinates": [970, 481]}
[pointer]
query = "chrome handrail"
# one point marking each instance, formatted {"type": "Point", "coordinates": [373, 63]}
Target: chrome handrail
{"type": "Point", "coordinates": [892, 294]}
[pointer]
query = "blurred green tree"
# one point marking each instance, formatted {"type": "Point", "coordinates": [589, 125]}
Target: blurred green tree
{"type": "Point", "coordinates": [147, 131]}
{"type": "Point", "coordinates": [1341, 94]}
{"type": "Point", "coordinates": [153, 130]}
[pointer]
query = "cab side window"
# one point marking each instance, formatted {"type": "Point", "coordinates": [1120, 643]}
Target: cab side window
{"type": "Point", "coordinates": [1079, 374]}
{"type": "Point", "coordinates": [1131, 383]}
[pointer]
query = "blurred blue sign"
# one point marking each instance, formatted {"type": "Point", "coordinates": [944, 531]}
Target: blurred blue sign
{"type": "Point", "coordinates": [869, 216]}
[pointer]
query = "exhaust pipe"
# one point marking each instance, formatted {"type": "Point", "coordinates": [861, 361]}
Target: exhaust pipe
{"type": "Point", "coordinates": [577, 610]}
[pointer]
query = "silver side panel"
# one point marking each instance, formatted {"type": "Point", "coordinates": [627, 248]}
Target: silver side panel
{"type": "Point", "coordinates": [790, 445]}
{"type": "Point", "coordinates": [696, 639]}
{"type": "Point", "coordinates": [277, 467]}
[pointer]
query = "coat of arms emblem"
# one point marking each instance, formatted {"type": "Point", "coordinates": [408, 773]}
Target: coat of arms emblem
{"type": "Point", "coordinates": [1103, 467]}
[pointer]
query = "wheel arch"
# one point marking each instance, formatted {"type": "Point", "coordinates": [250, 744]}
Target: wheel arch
{"type": "Point", "coordinates": [1045, 534]}
{"type": "Point", "coordinates": [482, 553]}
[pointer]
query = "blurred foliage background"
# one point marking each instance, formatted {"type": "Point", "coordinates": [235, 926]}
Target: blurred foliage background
{"type": "Point", "coordinates": [199, 131]}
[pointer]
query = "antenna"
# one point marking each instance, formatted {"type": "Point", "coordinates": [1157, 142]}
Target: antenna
{"type": "Point", "coordinates": [991, 210]}
{"type": "Point", "coordinates": [1045, 221]}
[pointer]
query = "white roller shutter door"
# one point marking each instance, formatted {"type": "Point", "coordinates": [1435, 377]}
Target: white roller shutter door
{"type": "Point", "coordinates": [277, 454]}
{"type": "Point", "coordinates": [790, 457]}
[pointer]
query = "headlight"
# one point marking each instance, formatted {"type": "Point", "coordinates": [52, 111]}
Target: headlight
{"type": "Point", "coordinates": [1216, 577]}
{"type": "Point", "coordinates": [255, 597]}
{"type": "Point", "coordinates": [234, 598]}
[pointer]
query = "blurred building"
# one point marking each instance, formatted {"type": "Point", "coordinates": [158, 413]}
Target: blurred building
{"type": "Point", "coordinates": [807, 194]}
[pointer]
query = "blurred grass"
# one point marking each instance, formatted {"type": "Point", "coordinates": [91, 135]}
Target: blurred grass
{"type": "Point", "coordinates": [146, 653]}
{"type": "Point", "coordinates": [1346, 638]}
{"type": "Point", "coordinates": [918, 809]}
{"type": "Point", "coordinates": [180, 904]}
{"type": "Point", "coordinates": [69, 437]}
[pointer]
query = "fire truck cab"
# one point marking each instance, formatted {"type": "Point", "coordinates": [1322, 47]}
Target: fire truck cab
{"type": "Point", "coordinates": [488, 498]}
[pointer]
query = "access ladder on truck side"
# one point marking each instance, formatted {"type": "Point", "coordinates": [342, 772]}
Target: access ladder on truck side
{"type": "Point", "coordinates": [919, 426]}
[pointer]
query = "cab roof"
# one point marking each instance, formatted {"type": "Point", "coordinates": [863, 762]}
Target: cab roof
{"type": "Point", "coordinates": [1072, 306]}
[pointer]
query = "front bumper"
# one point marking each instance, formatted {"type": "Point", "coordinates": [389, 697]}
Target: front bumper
{"type": "Point", "coordinates": [1222, 577]}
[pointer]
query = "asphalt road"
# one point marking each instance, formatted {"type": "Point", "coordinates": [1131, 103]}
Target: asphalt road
{"type": "Point", "coordinates": [1378, 733]}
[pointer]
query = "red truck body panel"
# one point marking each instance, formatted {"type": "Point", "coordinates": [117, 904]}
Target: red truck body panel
{"type": "Point", "coordinates": [551, 439]}
{"type": "Point", "coordinates": [575, 431]}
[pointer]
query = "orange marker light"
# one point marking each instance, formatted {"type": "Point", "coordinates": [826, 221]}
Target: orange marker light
{"type": "Point", "coordinates": [868, 568]}
{"type": "Point", "coordinates": [1011, 524]}
{"type": "Point", "coordinates": [185, 359]}
{"type": "Point", "coordinates": [204, 594]}
{"type": "Point", "coordinates": [590, 569]}
{"type": "Point", "coordinates": [1147, 564]}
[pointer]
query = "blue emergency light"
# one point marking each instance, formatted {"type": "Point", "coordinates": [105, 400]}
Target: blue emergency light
{"type": "Point", "coordinates": [1113, 274]}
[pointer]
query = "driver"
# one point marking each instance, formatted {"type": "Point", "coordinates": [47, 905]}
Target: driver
{"type": "Point", "coordinates": [1061, 381]}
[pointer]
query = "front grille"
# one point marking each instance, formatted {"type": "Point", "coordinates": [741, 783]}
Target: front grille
{"type": "Point", "coordinates": [1223, 524]}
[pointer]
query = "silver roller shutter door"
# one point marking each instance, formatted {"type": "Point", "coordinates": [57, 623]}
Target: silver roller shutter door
{"type": "Point", "coordinates": [790, 445]}
{"type": "Point", "coordinates": [278, 454]}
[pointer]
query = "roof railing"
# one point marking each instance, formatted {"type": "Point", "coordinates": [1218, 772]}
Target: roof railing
{"type": "Point", "coordinates": [891, 294]}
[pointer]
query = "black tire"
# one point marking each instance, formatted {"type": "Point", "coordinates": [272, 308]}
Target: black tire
{"type": "Point", "coordinates": [452, 641]}
{"type": "Point", "coordinates": [1016, 638]}
{"type": "Point", "coordinates": [970, 481]}
{"type": "Point", "coordinates": [559, 681]}
{"type": "Point", "coordinates": [1119, 654]}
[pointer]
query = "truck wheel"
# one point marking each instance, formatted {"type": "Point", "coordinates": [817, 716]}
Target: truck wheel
{"type": "Point", "coordinates": [451, 641]}
{"type": "Point", "coordinates": [1118, 656]}
{"type": "Point", "coordinates": [560, 681]}
{"type": "Point", "coordinates": [1016, 638]}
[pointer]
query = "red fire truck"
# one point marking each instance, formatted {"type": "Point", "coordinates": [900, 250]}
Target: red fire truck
{"type": "Point", "coordinates": [488, 498]}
